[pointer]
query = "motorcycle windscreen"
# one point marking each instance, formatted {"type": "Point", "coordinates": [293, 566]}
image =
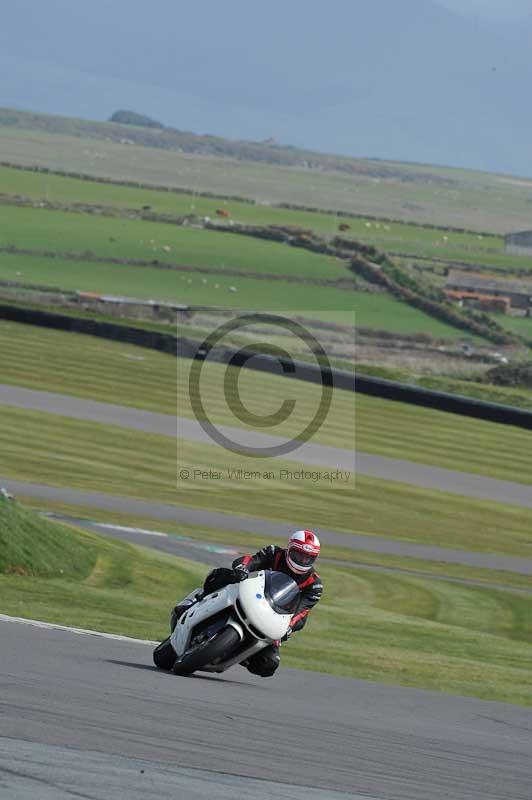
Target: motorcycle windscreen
{"type": "Point", "coordinates": [281, 592]}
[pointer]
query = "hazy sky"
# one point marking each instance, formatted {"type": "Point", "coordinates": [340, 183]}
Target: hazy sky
{"type": "Point", "coordinates": [501, 9]}
{"type": "Point", "coordinates": [396, 79]}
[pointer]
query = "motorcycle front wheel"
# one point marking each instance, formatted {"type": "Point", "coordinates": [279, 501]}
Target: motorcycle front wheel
{"type": "Point", "coordinates": [164, 655]}
{"type": "Point", "coordinates": [216, 648]}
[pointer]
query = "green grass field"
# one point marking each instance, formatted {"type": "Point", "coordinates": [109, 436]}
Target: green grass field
{"type": "Point", "coordinates": [30, 545]}
{"type": "Point", "coordinates": [417, 632]}
{"type": "Point", "coordinates": [116, 586]}
{"type": "Point", "coordinates": [409, 631]}
{"type": "Point", "coordinates": [385, 427]}
{"type": "Point", "coordinates": [522, 326]}
{"type": "Point", "coordinates": [374, 311]}
{"type": "Point", "coordinates": [393, 236]}
{"type": "Point", "coordinates": [218, 291]}
{"type": "Point", "coordinates": [56, 188]}
{"type": "Point", "coordinates": [47, 231]}
{"type": "Point", "coordinates": [445, 440]}
{"type": "Point", "coordinates": [42, 229]}
{"type": "Point", "coordinates": [86, 366]}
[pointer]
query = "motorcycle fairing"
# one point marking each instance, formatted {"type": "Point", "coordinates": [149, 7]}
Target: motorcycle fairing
{"type": "Point", "coordinates": [257, 610]}
{"type": "Point", "coordinates": [211, 605]}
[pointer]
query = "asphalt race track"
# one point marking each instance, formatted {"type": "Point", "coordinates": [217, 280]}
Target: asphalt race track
{"type": "Point", "coordinates": [83, 716]}
{"type": "Point", "coordinates": [392, 469]}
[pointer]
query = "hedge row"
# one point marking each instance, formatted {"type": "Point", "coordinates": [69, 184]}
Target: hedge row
{"type": "Point", "coordinates": [439, 310]}
{"type": "Point", "coordinates": [98, 210]}
{"type": "Point", "coordinates": [381, 270]}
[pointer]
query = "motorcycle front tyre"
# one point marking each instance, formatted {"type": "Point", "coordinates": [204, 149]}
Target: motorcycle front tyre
{"type": "Point", "coordinates": [164, 655]}
{"type": "Point", "coordinates": [219, 646]}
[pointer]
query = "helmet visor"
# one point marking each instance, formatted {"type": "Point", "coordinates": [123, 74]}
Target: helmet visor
{"type": "Point", "coordinates": [302, 559]}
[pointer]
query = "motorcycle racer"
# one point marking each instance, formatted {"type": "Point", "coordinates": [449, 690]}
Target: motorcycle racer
{"type": "Point", "coordinates": [297, 561]}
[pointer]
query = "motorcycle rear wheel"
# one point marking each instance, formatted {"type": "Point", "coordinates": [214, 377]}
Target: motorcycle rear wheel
{"type": "Point", "coordinates": [220, 645]}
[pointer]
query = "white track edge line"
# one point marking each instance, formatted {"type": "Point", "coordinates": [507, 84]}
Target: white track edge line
{"type": "Point", "coordinates": [79, 631]}
{"type": "Point", "coordinates": [126, 529]}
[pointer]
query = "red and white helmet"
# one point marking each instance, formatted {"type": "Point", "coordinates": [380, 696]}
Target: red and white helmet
{"type": "Point", "coordinates": [302, 551]}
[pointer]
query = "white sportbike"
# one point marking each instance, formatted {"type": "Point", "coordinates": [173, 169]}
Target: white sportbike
{"type": "Point", "coordinates": [230, 625]}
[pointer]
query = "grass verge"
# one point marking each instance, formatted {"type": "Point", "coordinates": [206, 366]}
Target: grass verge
{"type": "Point", "coordinates": [63, 452]}
{"type": "Point", "coordinates": [59, 451]}
{"type": "Point", "coordinates": [251, 542]}
{"type": "Point", "coordinates": [85, 366]}
{"type": "Point", "coordinates": [33, 546]}
{"type": "Point", "coordinates": [399, 430]}
{"type": "Point", "coordinates": [118, 588]}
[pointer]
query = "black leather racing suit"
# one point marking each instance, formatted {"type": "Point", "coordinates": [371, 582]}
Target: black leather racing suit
{"type": "Point", "coordinates": [266, 661]}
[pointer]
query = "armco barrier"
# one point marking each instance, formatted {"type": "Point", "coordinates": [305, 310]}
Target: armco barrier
{"type": "Point", "coordinates": [340, 379]}
{"type": "Point", "coordinates": [375, 387]}
{"type": "Point", "coordinates": [443, 401]}
{"type": "Point", "coordinates": [166, 342]}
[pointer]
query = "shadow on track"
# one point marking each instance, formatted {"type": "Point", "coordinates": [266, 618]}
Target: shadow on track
{"type": "Point", "coordinates": [133, 665]}
{"type": "Point", "coordinates": [194, 676]}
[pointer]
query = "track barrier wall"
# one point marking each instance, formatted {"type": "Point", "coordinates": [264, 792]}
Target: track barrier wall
{"type": "Point", "coordinates": [313, 373]}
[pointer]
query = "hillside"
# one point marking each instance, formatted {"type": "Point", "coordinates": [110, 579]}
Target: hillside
{"type": "Point", "coordinates": [403, 81]}
{"type": "Point", "coordinates": [168, 138]}
{"type": "Point", "coordinates": [174, 159]}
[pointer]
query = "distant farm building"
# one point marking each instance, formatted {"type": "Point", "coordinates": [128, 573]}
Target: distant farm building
{"type": "Point", "coordinates": [483, 302]}
{"type": "Point", "coordinates": [518, 244]}
{"type": "Point", "coordinates": [489, 294]}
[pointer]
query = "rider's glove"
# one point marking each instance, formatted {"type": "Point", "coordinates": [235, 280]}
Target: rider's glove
{"type": "Point", "coordinates": [287, 635]}
{"type": "Point", "coordinates": [240, 574]}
